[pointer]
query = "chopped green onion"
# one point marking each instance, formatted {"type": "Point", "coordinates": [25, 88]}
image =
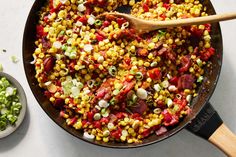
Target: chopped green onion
{"type": "Point", "coordinates": [14, 59]}
{"type": "Point", "coordinates": [64, 47]}
{"type": "Point", "coordinates": [3, 124]}
{"type": "Point", "coordinates": [62, 32]}
{"type": "Point", "coordinates": [97, 116]}
{"type": "Point", "coordinates": [132, 71]}
{"type": "Point", "coordinates": [90, 83]}
{"type": "Point", "coordinates": [116, 92]}
{"type": "Point", "coordinates": [157, 111]}
{"type": "Point", "coordinates": [139, 76]}
{"type": "Point", "coordinates": [112, 70]}
{"type": "Point", "coordinates": [199, 62]}
{"type": "Point", "coordinates": [169, 102]}
{"type": "Point", "coordinates": [175, 108]}
{"type": "Point", "coordinates": [106, 114]}
{"type": "Point", "coordinates": [153, 64]}
{"type": "Point", "coordinates": [200, 79]}
{"type": "Point", "coordinates": [9, 104]}
{"type": "Point", "coordinates": [113, 101]}
{"type": "Point", "coordinates": [161, 33]}
{"type": "Point", "coordinates": [134, 98]}
{"type": "Point", "coordinates": [98, 22]}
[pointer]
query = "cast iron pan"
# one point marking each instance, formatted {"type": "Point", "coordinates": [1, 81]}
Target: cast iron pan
{"type": "Point", "coordinates": [206, 123]}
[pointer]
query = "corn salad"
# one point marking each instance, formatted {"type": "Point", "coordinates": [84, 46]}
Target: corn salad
{"type": "Point", "coordinates": [111, 82]}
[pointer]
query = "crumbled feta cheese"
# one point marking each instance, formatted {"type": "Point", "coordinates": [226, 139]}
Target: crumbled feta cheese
{"type": "Point", "coordinates": [142, 93]}
{"type": "Point", "coordinates": [75, 91]}
{"type": "Point", "coordinates": [189, 98]}
{"type": "Point", "coordinates": [172, 88]}
{"type": "Point", "coordinates": [81, 8]}
{"type": "Point", "coordinates": [97, 116]}
{"type": "Point", "coordinates": [63, 1]}
{"type": "Point", "coordinates": [79, 24]}
{"type": "Point", "coordinates": [100, 59]}
{"type": "Point", "coordinates": [165, 84]}
{"type": "Point", "coordinates": [88, 48]}
{"type": "Point", "coordinates": [169, 102]}
{"type": "Point", "coordinates": [157, 87]}
{"type": "Point", "coordinates": [110, 126]}
{"type": "Point", "coordinates": [103, 103]}
{"type": "Point", "coordinates": [124, 133]}
{"type": "Point", "coordinates": [57, 44]}
{"type": "Point", "coordinates": [88, 136]}
{"type": "Point", "coordinates": [91, 20]}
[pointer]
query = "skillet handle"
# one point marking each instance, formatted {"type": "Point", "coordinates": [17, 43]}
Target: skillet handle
{"type": "Point", "coordinates": [224, 139]}
{"type": "Point", "coordinates": [209, 126]}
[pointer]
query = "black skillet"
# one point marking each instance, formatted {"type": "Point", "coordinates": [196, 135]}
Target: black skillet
{"type": "Point", "coordinates": [203, 120]}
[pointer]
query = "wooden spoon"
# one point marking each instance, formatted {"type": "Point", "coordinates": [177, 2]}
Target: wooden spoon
{"type": "Point", "coordinates": [144, 26]}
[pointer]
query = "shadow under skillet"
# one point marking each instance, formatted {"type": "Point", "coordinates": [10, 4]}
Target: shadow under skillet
{"type": "Point", "coordinates": [12, 140]}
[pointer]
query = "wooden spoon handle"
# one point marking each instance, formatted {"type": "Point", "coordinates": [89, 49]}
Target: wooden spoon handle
{"type": "Point", "coordinates": [225, 140]}
{"type": "Point", "coordinates": [195, 21]}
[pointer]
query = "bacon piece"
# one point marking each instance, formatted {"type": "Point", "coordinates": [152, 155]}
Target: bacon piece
{"type": "Point", "coordinates": [186, 81]}
{"type": "Point", "coordinates": [140, 107]}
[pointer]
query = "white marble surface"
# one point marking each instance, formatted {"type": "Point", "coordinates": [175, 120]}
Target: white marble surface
{"type": "Point", "coordinates": [39, 136]}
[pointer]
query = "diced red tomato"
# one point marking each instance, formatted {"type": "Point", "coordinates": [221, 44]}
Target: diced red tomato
{"type": "Point", "coordinates": [120, 115]}
{"type": "Point", "coordinates": [84, 122]}
{"type": "Point", "coordinates": [116, 134]}
{"type": "Point", "coordinates": [146, 132]}
{"type": "Point", "coordinates": [90, 116]}
{"type": "Point", "coordinates": [83, 19]}
{"type": "Point", "coordinates": [97, 124]}
{"type": "Point", "coordinates": [167, 6]}
{"type": "Point", "coordinates": [163, 16]}
{"type": "Point", "coordinates": [127, 61]}
{"type": "Point", "coordinates": [196, 32]}
{"type": "Point", "coordinates": [106, 23]}
{"type": "Point", "coordinates": [54, 7]}
{"type": "Point", "coordinates": [99, 37]}
{"type": "Point", "coordinates": [72, 121]}
{"type": "Point", "coordinates": [145, 7]}
{"type": "Point", "coordinates": [181, 103]}
{"type": "Point", "coordinates": [207, 53]}
{"type": "Point", "coordinates": [40, 31]}
{"type": "Point", "coordinates": [154, 74]}
{"type": "Point", "coordinates": [169, 119]}
{"type": "Point", "coordinates": [104, 120]}
{"type": "Point", "coordinates": [208, 27]}
{"type": "Point", "coordinates": [120, 21]}
{"type": "Point", "coordinates": [174, 80]}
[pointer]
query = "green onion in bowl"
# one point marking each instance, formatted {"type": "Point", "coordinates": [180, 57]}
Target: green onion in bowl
{"type": "Point", "coordinates": [12, 104]}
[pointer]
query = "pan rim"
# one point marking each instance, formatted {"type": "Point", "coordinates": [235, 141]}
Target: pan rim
{"type": "Point", "coordinates": [163, 137]}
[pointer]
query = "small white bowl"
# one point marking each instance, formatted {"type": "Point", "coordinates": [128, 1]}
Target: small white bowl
{"type": "Point", "coordinates": [10, 129]}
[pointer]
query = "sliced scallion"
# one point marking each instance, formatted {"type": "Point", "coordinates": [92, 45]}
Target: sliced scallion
{"type": "Point", "coordinates": [112, 70]}
{"type": "Point", "coordinates": [98, 22]}
{"type": "Point", "coordinates": [139, 76]}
